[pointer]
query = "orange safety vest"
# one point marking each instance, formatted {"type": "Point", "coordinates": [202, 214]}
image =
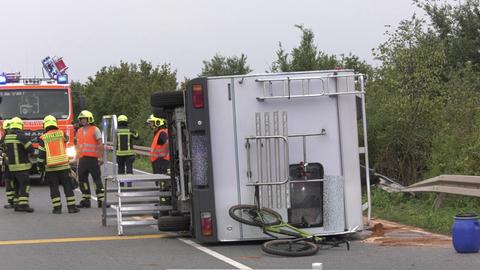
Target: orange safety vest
{"type": "Point", "coordinates": [159, 151]}
{"type": "Point", "coordinates": [55, 147]}
{"type": "Point", "coordinates": [86, 143]}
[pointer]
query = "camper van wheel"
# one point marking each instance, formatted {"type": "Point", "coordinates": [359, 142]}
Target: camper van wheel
{"type": "Point", "coordinates": [249, 214]}
{"type": "Point", "coordinates": [174, 223]}
{"type": "Point", "coordinates": [169, 99]}
{"type": "Point", "coordinates": [290, 248]}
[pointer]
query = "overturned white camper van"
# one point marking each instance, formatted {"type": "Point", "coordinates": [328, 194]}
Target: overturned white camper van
{"type": "Point", "coordinates": [293, 134]}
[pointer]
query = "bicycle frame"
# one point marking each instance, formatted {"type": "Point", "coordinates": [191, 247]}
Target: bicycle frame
{"type": "Point", "coordinates": [290, 231]}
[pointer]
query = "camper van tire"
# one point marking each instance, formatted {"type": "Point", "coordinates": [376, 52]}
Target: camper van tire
{"type": "Point", "coordinates": [290, 248]}
{"type": "Point", "coordinates": [167, 100]}
{"type": "Point", "coordinates": [174, 223]}
{"type": "Point", "coordinates": [248, 214]}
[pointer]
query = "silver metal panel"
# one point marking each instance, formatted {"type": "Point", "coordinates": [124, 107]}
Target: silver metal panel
{"type": "Point", "coordinates": [350, 154]}
{"type": "Point", "coordinates": [333, 203]}
{"type": "Point", "coordinates": [305, 116]}
{"type": "Point", "coordinates": [223, 157]}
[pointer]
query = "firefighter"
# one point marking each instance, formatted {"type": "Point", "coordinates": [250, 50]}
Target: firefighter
{"type": "Point", "coordinates": [54, 161]}
{"type": "Point", "coordinates": [159, 152]}
{"type": "Point", "coordinates": [3, 132]}
{"type": "Point", "coordinates": [18, 149]}
{"type": "Point", "coordinates": [90, 153]}
{"type": "Point", "coordinates": [125, 154]}
{"type": "Point", "coordinates": [160, 156]}
{"type": "Point", "coordinates": [4, 173]}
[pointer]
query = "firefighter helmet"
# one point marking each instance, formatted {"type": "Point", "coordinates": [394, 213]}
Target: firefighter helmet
{"type": "Point", "coordinates": [16, 122]}
{"type": "Point", "coordinates": [122, 118]}
{"type": "Point", "coordinates": [6, 124]}
{"type": "Point", "coordinates": [49, 121]}
{"type": "Point", "coordinates": [157, 122]}
{"type": "Point", "coordinates": [88, 115]}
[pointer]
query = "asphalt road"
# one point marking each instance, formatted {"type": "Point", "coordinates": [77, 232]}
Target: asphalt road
{"type": "Point", "coordinates": [41, 240]}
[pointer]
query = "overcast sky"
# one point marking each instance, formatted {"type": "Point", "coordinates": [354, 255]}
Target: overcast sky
{"type": "Point", "coordinates": [90, 34]}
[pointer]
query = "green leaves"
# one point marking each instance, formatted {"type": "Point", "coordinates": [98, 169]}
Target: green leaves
{"type": "Point", "coordinates": [304, 57]}
{"type": "Point", "coordinates": [220, 66]}
{"type": "Point", "coordinates": [126, 89]}
{"type": "Point", "coordinates": [423, 102]}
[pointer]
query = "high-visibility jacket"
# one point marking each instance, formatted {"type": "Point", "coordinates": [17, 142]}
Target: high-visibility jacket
{"type": "Point", "coordinates": [18, 147]}
{"type": "Point", "coordinates": [159, 151]}
{"type": "Point", "coordinates": [54, 147]}
{"type": "Point", "coordinates": [124, 141]}
{"type": "Point", "coordinates": [87, 145]}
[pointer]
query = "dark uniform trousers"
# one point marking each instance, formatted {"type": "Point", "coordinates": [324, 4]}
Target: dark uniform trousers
{"type": "Point", "coordinates": [125, 161]}
{"type": "Point", "coordinates": [21, 182]}
{"type": "Point", "coordinates": [54, 179]}
{"type": "Point", "coordinates": [86, 166]}
{"type": "Point", "coordinates": [9, 186]}
{"type": "Point", "coordinates": [160, 166]}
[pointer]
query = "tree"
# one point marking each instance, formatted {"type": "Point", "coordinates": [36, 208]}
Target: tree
{"type": "Point", "coordinates": [126, 89]}
{"type": "Point", "coordinates": [423, 101]}
{"type": "Point", "coordinates": [76, 93]}
{"type": "Point", "coordinates": [220, 66]}
{"type": "Point", "coordinates": [457, 26]}
{"type": "Point", "coordinates": [404, 101]}
{"type": "Point", "coordinates": [304, 57]}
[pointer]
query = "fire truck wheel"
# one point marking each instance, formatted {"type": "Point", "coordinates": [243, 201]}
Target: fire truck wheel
{"type": "Point", "coordinates": [174, 223]}
{"type": "Point", "coordinates": [169, 100]}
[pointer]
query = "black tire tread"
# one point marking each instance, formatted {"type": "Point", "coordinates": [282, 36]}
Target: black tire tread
{"type": "Point", "coordinates": [268, 247]}
{"type": "Point", "coordinates": [167, 99]}
{"type": "Point", "coordinates": [174, 223]}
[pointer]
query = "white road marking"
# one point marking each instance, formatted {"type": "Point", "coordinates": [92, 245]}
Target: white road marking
{"type": "Point", "coordinates": [202, 248]}
{"type": "Point", "coordinates": [215, 254]}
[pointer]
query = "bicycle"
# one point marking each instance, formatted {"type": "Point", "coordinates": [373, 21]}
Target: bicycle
{"type": "Point", "coordinates": [303, 243]}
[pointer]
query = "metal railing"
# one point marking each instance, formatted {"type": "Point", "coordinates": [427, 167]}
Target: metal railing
{"type": "Point", "coordinates": [139, 150]}
{"type": "Point", "coordinates": [467, 185]}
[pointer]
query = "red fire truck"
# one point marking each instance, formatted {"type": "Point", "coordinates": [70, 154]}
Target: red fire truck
{"type": "Point", "coordinates": [32, 99]}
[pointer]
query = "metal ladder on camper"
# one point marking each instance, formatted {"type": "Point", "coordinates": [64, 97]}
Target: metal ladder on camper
{"type": "Point", "coordinates": [131, 206]}
{"type": "Point", "coordinates": [268, 159]}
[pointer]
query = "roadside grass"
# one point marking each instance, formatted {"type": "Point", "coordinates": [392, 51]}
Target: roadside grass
{"type": "Point", "coordinates": [142, 163]}
{"type": "Point", "coordinates": [418, 210]}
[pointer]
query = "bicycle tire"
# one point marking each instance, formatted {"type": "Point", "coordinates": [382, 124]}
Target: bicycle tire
{"type": "Point", "coordinates": [285, 247]}
{"type": "Point", "coordinates": [243, 214]}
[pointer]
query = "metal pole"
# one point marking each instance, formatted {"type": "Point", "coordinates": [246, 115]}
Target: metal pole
{"type": "Point", "coordinates": [180, 159]}
{"type": "Point", "coordinates": [365, 146]}
{"type": "Point", "coordinates": [114, 144]}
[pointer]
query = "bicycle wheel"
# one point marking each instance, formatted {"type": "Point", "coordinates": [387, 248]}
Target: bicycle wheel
{"type": "Point", "coordinates": [290, 248]}
{"type": "Point", "coordinates": [249, 214]}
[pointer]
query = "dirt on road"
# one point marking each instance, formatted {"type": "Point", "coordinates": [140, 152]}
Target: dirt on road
{"type": "Point", "coordinates": [387, 233]}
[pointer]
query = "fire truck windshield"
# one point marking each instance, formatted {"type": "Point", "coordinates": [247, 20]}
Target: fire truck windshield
{"type": "Point", "coordinates": [34, 104]}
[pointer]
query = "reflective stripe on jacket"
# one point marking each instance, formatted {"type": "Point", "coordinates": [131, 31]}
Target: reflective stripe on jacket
{"type": "Point", "coordinates": [55, 148]}
{"type": "Point", "coordinates": [159, 151]}
{"type": "Point", "coordinates": [86, 143]}
{"type": "Point", "coordinates": [124, 142]}
{"type": "Point", "coordinates": [18, 148]}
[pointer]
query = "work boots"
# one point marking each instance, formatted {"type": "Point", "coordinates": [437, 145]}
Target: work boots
{"type": "Point", "coordinates": [9, 205]}
{"type": "Point", "coordinates": [23, 208]}
{"type": "Point", "coordinates": [84, 204]}
{"type": "Point", "coordinates": [73, 209]}
{"type": "Point", "coordinates": [57, 210]}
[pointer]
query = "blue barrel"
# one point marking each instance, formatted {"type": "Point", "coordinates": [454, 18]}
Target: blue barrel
{"type": "Point", "coordinates": [466, 233]}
